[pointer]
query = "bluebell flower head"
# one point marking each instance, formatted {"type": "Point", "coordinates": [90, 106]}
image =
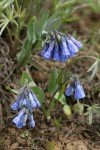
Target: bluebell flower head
{"type": "Point", "coordinates": [60, 47]}
{"type": "Point", "coordinates": [21, 119]}
{"type": "Point", "coordinates": [26, 98]}
{"type": "Point", "coordinates": [75, 88]}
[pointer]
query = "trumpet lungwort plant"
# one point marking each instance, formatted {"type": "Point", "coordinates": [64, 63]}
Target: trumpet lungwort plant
{"type": "Point", "coordinates": [57, 46]}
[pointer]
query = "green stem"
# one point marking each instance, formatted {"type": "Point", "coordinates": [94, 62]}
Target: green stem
{"type": "Point", "coordinates": [10, 36]}
{"type": "Point", "coordinates": [47, 112]}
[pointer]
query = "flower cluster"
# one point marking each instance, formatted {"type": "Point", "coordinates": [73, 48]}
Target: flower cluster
{"type": "Point", "coordinates": [60, 47]}
{"type": "Point", "coordinates": [26, 102]}
{"type": "Point", "coordinates": [75, 87]}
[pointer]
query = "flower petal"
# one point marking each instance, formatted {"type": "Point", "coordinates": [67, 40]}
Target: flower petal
{"type": "Point", "coordinates": [77, 43]}
{"type": "Point", "coordinates": [47, 55]}
{"type": "Point", "coordinates": [32, 122]}
{"type": "Point", "coordinates": [35, 100]}
{"type": "Point", "coordinates": [32, 101]}
{"type": "Point", "coordinates": [15, 104]}
{"type": "Point", "coordinates": [72, 48]}
{"type": "Point", "coordinates": [44, 49]}
{"type": "Point", "coordinates": [56, 55]}
{"type": "Point", "coordinates": [18, 120]}
{"type": "Point", "coordinates": [64, 50]}
{"type": "Point", "coordinates": [79, 92]}
{"type": "Point", "coordinates": [69, 91]}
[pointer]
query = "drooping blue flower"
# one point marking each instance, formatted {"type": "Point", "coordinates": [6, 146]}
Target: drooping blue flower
{"type": "Point", "coordinates": [21, 119]}
{"type": "Point", "coordinates": [75, 88]}
{"type": "Point", "coordinates": [77, 43]}
{"type": "Point", "coordinates": [64, 50]}
{"type": "Point", "coordinates": [60, 47]}
{"type": "Point", "coordinates": [44, 49]}
{"type": "Point", "coordinates": [34, 100]}
{"type": "Point", "coordinates": [79, 92]}
{"type": "Point", "coordinates": [73, 49]}
{"type": "Point", "coordinates": [15, 105]}
{"type": "Point", "coordinates": [48, 53]}
{"type": "Point", "coordinates": [26, 98]}
{"type": "Point", "coordinates": [56, 55]}
{"type": "Point", "coordinates": [69, 90]}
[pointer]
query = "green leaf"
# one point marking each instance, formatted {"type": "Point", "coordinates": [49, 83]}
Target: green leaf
{"type": "Point", "coordinates": [31, 30]}
{"type": "Point", "coordinates": [62, 90]}
{"type": "Point", "coordinates": [52, 85]}
{"type": "Point", "coordinates": [52, 18]}
{"type": "Point", "coordinates": [61, 99]}
{"type": "Point", "coordinates": [60, 76]}
{"type": "Point", "coordinates": [9, 2]}
{"type": "Point", "coordinates": [24, 76]}
{"type": "Point", "coordinates": [54, 24]}
{"type": "Point", "coordinates": [41, 24]}
{"type": "Point", "coordinates": [24, 56]}
{"type": "Point", "coordinates": [90, 118]}
{"type": "Point", "coordinates": [32, 84]}
{"type": "Point", "coordinates": [4, 25]}
{"type": "Point", "coordinates": [5, 3]}
{"type": "Point", "coordinates": [13, 90]}
{"type": "Point", "coordinates": [57, 122]}
{"type": "Point", "coordinates": [39, 94]}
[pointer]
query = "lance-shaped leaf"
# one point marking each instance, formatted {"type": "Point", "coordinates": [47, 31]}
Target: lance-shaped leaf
{"type": "Point", "coordinates": [41, 24]}
{"type": "Point", "coordinates": [94, 68]}
{"type": "Point", "coordinates": [31, 30]}
{"type": "Point", "coordinates": [24, 56]}
{"type": "Point", "coordinates": [53, 24]}
{"type": "Point", "coordinates": [25, 76]}
{"type": "Point", "coordinates": [5, 3]}
{"type": "Point", "coordinates": [61, 99]}
{"type": "Point", "coordinates": [13, 90]}
{"type": "Point", "coordinates": [52, 85]}
{"type": "Point", "coordinates": [95, 109]}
